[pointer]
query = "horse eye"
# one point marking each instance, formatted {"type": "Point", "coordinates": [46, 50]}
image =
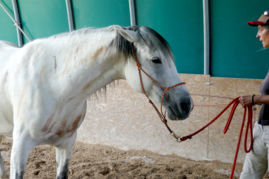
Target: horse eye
{"type": "Point", "coordinates": [156, 60]}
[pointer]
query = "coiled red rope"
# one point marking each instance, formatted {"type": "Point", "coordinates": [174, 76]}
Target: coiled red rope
{"type": "Point", "coordinates": [234, 103]}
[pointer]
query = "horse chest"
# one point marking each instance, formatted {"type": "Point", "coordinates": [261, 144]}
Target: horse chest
{"type": "Point", "coordinates": [6, 122]}
{"type": "Point", "coordinates": [5, 107]}
{"type": "Point", "coordinates": [64, 125]}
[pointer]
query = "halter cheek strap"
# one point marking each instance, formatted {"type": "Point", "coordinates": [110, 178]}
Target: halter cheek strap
{"type": "Point", "coordinates": [166, 89]}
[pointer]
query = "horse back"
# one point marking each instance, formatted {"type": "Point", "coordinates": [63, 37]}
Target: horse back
{"type": "Point", "coordinates": [7, 50]}
{"type": "Point", "coordinates": [6, 44]}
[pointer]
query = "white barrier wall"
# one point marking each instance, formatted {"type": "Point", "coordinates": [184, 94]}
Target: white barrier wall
{"type": "Point", "coordinates": [124, 119]}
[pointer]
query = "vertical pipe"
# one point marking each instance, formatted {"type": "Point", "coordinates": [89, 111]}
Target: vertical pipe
{"type": "Point", "coordinates": [132, 12]}
{"type": "Point", "coordinates": [206, 37]}
{"type": "Point", "coordinates": [18, 22]}
{"type": "Point", "coordinates": [69, 15]}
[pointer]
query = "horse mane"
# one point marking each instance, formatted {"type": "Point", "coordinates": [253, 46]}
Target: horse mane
{"type": "Point", "coordinates": [145, 35]}
{"type": "Point", "coordinates": [85, 30]}
{"type": "Point", "coordinates": [155, 40]}
{"type": "Point", "coordinates": [123, 45]}
{"type": "Point", "coordinates": [102, 92]}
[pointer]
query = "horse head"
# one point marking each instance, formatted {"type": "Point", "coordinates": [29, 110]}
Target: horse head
{"type": "Point", "coordinates": [149, 51]}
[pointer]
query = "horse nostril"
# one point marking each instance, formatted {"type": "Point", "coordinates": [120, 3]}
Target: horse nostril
{"type": "Point", "coordinates": [185, 106]}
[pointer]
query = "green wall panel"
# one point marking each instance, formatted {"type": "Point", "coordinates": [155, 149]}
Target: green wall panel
{"type": "Point", "coordinates": [100, 13]}
{"type": "Point", "coordinates": [235, 50]}
{"type": "Point", "coordinates": [181, 24]}
{"type": "Point", "coordinates": [8, 29]}
{"type": "Point", "coordinates": [42, 18]}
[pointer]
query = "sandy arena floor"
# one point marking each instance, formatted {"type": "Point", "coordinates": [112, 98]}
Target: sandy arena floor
{"type": "Point", "coordinates": [97, 161]}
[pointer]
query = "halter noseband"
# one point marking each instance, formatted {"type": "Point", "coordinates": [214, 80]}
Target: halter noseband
{"type": "Point", "coordinates": [159, 112]}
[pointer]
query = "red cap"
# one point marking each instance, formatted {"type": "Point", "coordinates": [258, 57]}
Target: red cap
{"type": "Point", "coordinates": [263, 20]}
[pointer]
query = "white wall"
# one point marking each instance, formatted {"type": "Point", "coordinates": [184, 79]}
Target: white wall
{"type": "Point", "coordinates": [126, 120]}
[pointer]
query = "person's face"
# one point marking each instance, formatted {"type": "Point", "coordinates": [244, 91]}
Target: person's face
{"type": "Point", "coordinates": [263, 35]}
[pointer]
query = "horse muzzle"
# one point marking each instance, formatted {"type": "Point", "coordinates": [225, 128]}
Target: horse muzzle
{"type": "Point", "coordinates": [180, 109]}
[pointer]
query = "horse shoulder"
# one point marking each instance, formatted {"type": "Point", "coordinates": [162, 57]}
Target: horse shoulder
{"type": "Point", "coordinates": [33, 86]}
{"type": "Point", "coordinates": [26, 87]}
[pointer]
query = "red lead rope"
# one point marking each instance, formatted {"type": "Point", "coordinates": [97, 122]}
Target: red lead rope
{"type": "Point", "coordinates": [235, 103]}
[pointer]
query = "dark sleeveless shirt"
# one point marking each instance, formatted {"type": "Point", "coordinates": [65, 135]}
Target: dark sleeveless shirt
{"type": "Point", "coordinates": [264, 113]}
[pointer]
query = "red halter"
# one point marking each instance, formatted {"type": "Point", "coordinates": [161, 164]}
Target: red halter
{"type": "Point", "coordinates": [159, 112]}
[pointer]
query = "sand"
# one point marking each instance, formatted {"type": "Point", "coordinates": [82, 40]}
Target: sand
{"type": "Point", "coordinates": [99, 161]}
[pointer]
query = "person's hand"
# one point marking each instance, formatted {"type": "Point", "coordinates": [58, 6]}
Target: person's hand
{"type": "Point", "coordinates": [245, 101]}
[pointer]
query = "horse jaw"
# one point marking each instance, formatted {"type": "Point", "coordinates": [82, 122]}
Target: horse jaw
{"type": "Point", "coordinates": [132, 77]}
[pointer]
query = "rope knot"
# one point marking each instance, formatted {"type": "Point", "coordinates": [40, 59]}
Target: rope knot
{"type": "Point", "coordinates": [185, 138]}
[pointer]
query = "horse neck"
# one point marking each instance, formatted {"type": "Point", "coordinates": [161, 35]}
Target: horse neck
{"type": "Point", "coordinates": [89, 63]}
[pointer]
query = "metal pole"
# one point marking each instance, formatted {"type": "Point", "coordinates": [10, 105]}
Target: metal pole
{"type": "Point", "coordinates": [15, 23]}
{"type": "Point", "coordinates": [206, 37]}
{"type": "Point", "coordinates": [69, 15]}
{"type": "Point", "coordinates": [18, 22]}
{"type": "Point", "coordinates": [132, 12]}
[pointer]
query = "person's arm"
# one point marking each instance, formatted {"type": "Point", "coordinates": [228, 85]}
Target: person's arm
{"type": "Point", "coordinates": [261, 99]}
{"type": "Point", "coordinates": [254, 99]}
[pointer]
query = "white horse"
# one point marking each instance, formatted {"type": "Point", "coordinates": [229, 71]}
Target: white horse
{"type": "Point", "coordinates": [44, 85]}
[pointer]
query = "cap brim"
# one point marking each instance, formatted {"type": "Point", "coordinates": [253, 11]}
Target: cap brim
{"type": "Point", "coordinates": [256, 23]}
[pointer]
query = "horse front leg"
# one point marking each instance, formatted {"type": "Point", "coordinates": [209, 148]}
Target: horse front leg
{"type": "Point", "coordinates": [2, 168]}
{"type": "Point", "coordinates": [21, 147]}
{"type": "Point", "coordinates": [63, 153]}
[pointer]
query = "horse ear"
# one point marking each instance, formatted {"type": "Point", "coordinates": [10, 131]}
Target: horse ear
{"type": "Point", "coordinates": [128, 34]}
